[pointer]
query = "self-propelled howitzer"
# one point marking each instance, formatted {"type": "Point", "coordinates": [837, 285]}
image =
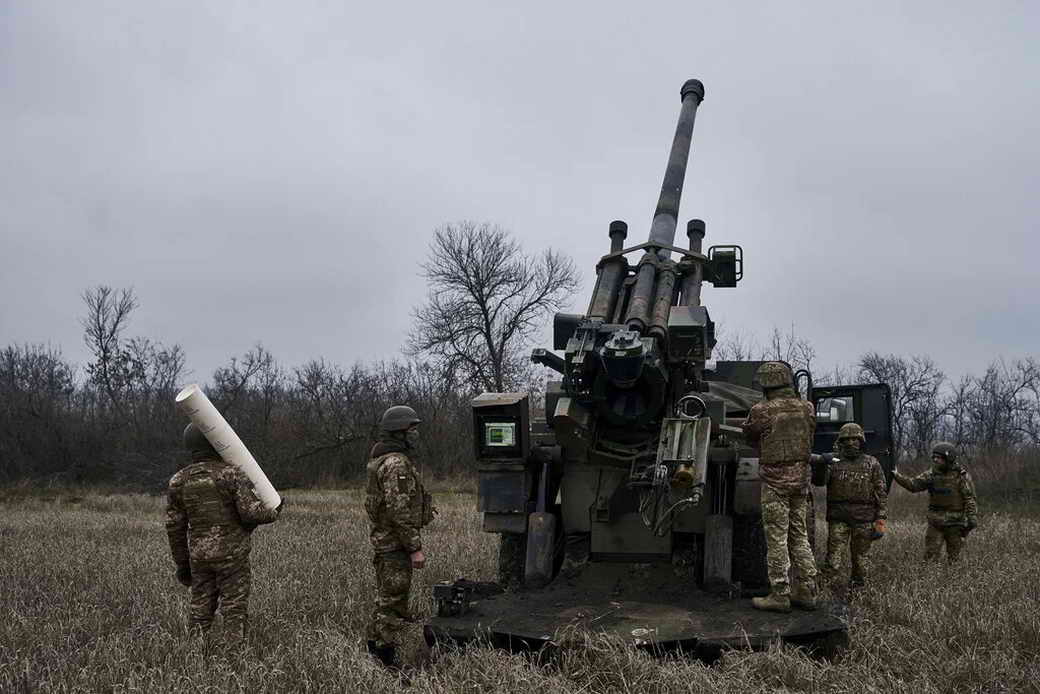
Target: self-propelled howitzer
{"type": "Point", "coordinates": [633, 507]}
{"type": "Point", "coordinates": [641, 346]}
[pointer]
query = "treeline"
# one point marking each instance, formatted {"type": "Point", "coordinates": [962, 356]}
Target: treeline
{"type": "Point", "coordinates": [114, 423]}
{"type": "Point", "coordinates": [113, 420]}
{"type": "Point", "coordinates": [997, 411]}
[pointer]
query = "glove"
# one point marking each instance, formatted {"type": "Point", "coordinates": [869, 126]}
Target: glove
{"type": "Point", "coordinates": [972, 524]}
{"type": "Point", "coordinates": [184, 575]}
{"type": "Point", "coordinates": [879, 529]}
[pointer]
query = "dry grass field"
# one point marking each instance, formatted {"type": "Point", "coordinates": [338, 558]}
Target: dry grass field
{"type": "Point", "coordinates": [88, 602]}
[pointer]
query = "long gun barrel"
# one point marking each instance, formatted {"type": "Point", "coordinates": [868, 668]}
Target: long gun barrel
{"type": "Point", "coordinates": [662, 230]}
{"type": "Point", "coordinates": [654, 289]}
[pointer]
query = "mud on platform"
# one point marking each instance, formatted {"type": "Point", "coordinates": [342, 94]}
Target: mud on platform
{"type": "Point", "coordinates": [645, 605]}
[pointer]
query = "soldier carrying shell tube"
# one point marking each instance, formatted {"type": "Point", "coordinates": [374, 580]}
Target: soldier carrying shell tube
{"type": "Point", "coordinates": [212, 509]}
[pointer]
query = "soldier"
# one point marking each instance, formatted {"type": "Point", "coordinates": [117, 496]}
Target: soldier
{"type": "Point", "coordinates": [782, 427]}
{"type": "Point", "coordinates": [952, 511]}
{"type": "Point", "coordinates": [212, 508]}
{"type": "Point", "coordinates": [856, 505]}
{"type": "Point", "coordinates": [397, 507]}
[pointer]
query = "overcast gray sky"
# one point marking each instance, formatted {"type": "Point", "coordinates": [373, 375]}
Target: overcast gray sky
{"type": "Point", "coordinates": [272, 171]}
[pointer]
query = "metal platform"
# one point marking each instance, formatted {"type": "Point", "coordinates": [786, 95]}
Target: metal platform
{"type": "Point", "coordinates": [642, 604]}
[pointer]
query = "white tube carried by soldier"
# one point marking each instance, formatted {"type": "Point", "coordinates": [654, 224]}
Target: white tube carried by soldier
{"type": "Point", "coordinates": [194, 403]}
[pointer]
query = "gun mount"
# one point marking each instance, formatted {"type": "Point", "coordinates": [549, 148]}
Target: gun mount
{"type": "Point", "coordinates": [636, 498]}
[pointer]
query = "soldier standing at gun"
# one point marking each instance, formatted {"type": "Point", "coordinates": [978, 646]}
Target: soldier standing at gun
{"type": "Point", "coordinates": [782, 427]}
{"type": "Point", "coordinates": [212, 509]}
{"type": "Point", "coordinates": [856, 505]}
{"type": "Point", "coordinates": [952, 509]}
{"type": "Point", "coordinates": [397, 507]}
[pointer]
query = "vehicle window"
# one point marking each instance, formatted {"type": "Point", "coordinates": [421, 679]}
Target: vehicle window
{"type": "Point", "coordinates": [837, 410]}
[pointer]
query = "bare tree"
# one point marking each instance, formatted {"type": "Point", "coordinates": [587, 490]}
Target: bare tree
{"type": "Point", "coordinates": [796, 351]}
{"type": "Point", "coordinates": [37, 388]}
{"type": "Point", "coordinates": [734, 345]}
{"type": "Point", "coordinates": [838, 375]}
{"type": "Point", "coordinates": [231, 381]}
{"type": "Point", "coordinates": [1000, 410]}
{"type": "Point", "coordinates": [108, 312]}
{"type": "Point", "coordinates": [137, 375]}
{"type": "Point", "coordinates": [914, 382]}
{"type": "Point", "coordinates": [1031, 397]}
{"type": "Point", "coordinates": [739, 345]}
{"type": "Point", "coordinates": [956, 412]}
{"type": "Point", "coordinates": [325, 400]}
{"type": "Point", "coordinates": [486, 299]}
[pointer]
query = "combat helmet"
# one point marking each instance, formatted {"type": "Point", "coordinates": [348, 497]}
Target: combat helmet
{"type": "Point", "coordinates": [946, 451]}
{"type": "Point", "coordinates": [197, 444]}
{"type": "Point", "coordinates": [774, 374]}
{"type": "Point", "coordinates": [399, 418]}
{"type": "Point", "coordinates": [851, 430]}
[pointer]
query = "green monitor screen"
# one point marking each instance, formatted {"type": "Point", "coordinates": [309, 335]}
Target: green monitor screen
{"type": "Point", "coordinates": [500, 434]}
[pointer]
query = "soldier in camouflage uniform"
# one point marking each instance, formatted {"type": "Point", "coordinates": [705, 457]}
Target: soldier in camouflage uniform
{"type": "Point", "coordinates": [212, 508]}
{"type": "Point", "coordinates": [397, 507]}
{"type": "Point", "coordinates": [856, 505]}
{"type": "Point", "coordinates": [952, 509]}
{"type": "Point", "coordinates": [782, 427]}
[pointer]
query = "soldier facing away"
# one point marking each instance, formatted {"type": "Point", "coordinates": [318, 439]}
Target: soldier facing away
{"type": "Point", "coordinates": [398, 507]}
{"type": "Point", "coordinates": [856, 506]}
{"type": "Point", "coordinates": [952, 509]}
{"type": "Point", "coordinates": [782, 427]}
{"type": "Point", "coordinates": [212, 509]}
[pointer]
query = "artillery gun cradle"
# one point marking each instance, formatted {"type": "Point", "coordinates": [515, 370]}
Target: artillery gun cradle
{"type": "Point", "coordinates": [655, 534]}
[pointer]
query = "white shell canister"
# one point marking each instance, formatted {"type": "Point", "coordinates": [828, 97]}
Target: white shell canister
{"type": "Point", "coordinates": [194, 403]}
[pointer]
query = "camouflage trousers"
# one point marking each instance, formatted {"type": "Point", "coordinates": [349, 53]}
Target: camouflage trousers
{"type": "Point", "coordinates": [224, 583]}
{"type": "Point", "coordinates": [937, 535]}
{"type": "Point", "coordinates": [787, 541]}
{"type": "Point", "coordinates": [390, 614]}
{"type": "Point", "coordinates": [848, 540]}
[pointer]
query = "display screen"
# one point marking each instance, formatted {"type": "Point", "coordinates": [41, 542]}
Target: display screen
{"type": "Point", "coordinates": [499, 434]}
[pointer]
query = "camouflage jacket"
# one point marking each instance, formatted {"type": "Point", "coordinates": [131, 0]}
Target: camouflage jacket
{"type": "Point", "coordinates": [951, 495]}
{"type": "Point", "coordinates": [395, 502]}
{"type": "Point", "coordinates": [782, 427]}
{"type": "Point", "coordinates": [856, 490]}
{"type": "Point", "coordinates": [211, 509]}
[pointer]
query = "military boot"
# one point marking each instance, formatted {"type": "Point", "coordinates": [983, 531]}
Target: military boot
{"type": "Point", "coordinates": [803, 595]}
{"type": "Point", "coordinates": [385, 654]}
{"type": "Point", "coordinates": [774, 602]}
{"type": "Point", "coordinates": [855, 589]}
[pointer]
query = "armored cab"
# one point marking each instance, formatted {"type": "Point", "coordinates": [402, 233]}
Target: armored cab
{"type": "Point", "coordinates": [633, 506]}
